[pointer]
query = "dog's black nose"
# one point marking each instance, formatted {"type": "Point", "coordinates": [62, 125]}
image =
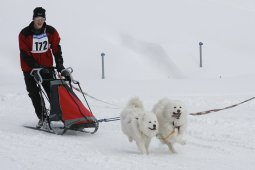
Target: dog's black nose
{"type": "Point", "coordinates": [178, 110]}
{"type": "Point", "coordinates": [154, 126]}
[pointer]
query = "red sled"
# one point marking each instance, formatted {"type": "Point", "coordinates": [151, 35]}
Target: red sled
{"type": "Point", "coordinates": [66, 111]}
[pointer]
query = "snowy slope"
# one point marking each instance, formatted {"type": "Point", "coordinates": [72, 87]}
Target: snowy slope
{"type": "Point", "coordinates": [152, 52]}
{"type": "Point", "coordinates": [223, 140]}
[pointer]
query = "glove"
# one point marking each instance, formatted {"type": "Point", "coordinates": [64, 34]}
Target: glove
{"type": "Point", "coordinates": [66, 74]}
{"type": "Point", "coordinates": [44, 71]}
{"type": "Point", "coordinates": [60, 67]}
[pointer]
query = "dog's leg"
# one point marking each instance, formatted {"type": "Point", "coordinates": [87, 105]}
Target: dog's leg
{"type": "Point", "coordinates": [141, 147]}
{"type": "Point", "coordinates": [179, 137]}
{"type": "Point", "coordinates": [171, 147]}
{"type": "Point", "coordinates": [137, 136]}
{"type": "Point", "coordinates": [182, 142]}
{"type": "Point", "coordinates": [147, 143]}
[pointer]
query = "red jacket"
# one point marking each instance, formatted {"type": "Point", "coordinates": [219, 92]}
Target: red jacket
{"type": "Point", "coordinates": [37, 48]}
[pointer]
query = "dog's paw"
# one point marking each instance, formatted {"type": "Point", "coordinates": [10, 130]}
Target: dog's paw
{"type": "Point", "coordinates": [182, 142]}
{"type": "Point", "coordinates": [143, 151]}
{"type": "Point", "coordinates": [172, 150]}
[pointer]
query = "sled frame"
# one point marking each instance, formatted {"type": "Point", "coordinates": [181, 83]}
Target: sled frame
{"type": "Point", "coordinates": [47, 123]}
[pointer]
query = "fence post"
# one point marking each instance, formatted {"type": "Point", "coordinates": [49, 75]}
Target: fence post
{"type": "Point", "coordinates": [200, 49]}
{"type": "Point", "coordinates": [103, 54]}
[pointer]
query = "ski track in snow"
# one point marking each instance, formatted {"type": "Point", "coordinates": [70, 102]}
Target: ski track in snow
{"type": "Point", "coordinates": [223, 134]}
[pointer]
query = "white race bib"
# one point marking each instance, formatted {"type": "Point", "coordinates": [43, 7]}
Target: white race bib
{"type": "Point", "coordinates": [40, 43]}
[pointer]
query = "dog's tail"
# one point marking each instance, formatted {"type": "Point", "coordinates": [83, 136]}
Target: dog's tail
{"type": "Point", "coordinates": [136, 103]}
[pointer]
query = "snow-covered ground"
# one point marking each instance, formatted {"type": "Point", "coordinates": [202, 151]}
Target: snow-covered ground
{"type": "Point", "coordinates": [152, 52]}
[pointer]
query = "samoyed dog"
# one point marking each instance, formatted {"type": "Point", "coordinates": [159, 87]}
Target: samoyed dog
{"type": "Point", "coordinates": [139, 125]}
{"type": "Point", "coordinates": [172, 119]}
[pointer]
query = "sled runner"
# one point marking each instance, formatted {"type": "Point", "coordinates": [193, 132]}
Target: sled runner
{"type": "Point", "coordinates": [64, 110]}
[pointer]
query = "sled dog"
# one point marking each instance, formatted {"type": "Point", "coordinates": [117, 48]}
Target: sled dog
{"type": "Point", "coordinates": [172, 119]}
{"type": "Point", "coordinates": [139, 125]}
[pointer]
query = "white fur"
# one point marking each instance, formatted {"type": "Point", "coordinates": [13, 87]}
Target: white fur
{"type": "Point", "coordinates": [139, 125]}
{"type": "Point", "coordinates": [167, 115]}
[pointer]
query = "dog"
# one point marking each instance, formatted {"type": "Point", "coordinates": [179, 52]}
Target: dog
{"type": "Point", "coordinates": [139, 125]}
{"type": "Point", "coordinates": [172, 119]}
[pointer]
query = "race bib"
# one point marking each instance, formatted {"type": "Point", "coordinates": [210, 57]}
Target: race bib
{"type": "Point", "coordinates": [40, 43]}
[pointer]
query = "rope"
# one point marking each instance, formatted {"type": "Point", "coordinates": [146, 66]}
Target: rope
{"type": "Point", "coordinates": [193, 114]}
{"type": "Point", "coordinates": [109, 119]}
{"type": "Point", "coordinates": [216, 110]}
{"type": "Point", "coordinates": [77, 89]}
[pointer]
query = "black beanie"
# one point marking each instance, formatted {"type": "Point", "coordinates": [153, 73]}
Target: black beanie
{"type": "Point", "coordinates": [39, 12]}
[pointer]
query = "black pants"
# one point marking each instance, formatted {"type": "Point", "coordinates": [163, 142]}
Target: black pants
{"type": "Point", "coordinates": [34, 92]}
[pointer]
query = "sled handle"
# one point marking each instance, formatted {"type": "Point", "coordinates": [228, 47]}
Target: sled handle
{"type": "Point", "coordinates": [70, 70]}
{"type": "Point", "coordinates": [37, 75]}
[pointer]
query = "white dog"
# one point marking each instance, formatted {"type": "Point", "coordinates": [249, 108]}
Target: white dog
{"type": "Point", "coordinates": [172, 118]}
{"type": "Point", "coordinates": [139, 125]}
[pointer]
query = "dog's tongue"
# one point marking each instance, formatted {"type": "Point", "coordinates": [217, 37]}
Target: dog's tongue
{"type": "Point", "coordinates": [176, 115]}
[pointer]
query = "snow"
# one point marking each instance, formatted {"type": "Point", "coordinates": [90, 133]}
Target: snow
{"type": "Point", "coordinates": [152, 52]}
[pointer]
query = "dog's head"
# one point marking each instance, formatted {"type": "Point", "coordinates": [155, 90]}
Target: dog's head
{"type": "Point", "coordinates": [148, 124]}
{"type": "Point", "coordinates": [175, 110]}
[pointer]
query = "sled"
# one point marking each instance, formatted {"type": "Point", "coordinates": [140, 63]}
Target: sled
{"type": "Point", "coordinates": [64, 110]}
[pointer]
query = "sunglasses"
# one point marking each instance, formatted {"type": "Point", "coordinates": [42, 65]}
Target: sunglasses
{"type": "Point", "coordinates": [39, 19]}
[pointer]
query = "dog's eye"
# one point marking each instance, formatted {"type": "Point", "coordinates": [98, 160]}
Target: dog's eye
{"type": "Point", "coordinates": [180, 107]}
{"type": "Point", "coordinates": [149, 121]}
{"type": "Point", "coordinates": [175, 107]}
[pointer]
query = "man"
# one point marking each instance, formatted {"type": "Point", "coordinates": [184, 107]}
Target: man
{"type": "Point", "coordinates": [39, 44]}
